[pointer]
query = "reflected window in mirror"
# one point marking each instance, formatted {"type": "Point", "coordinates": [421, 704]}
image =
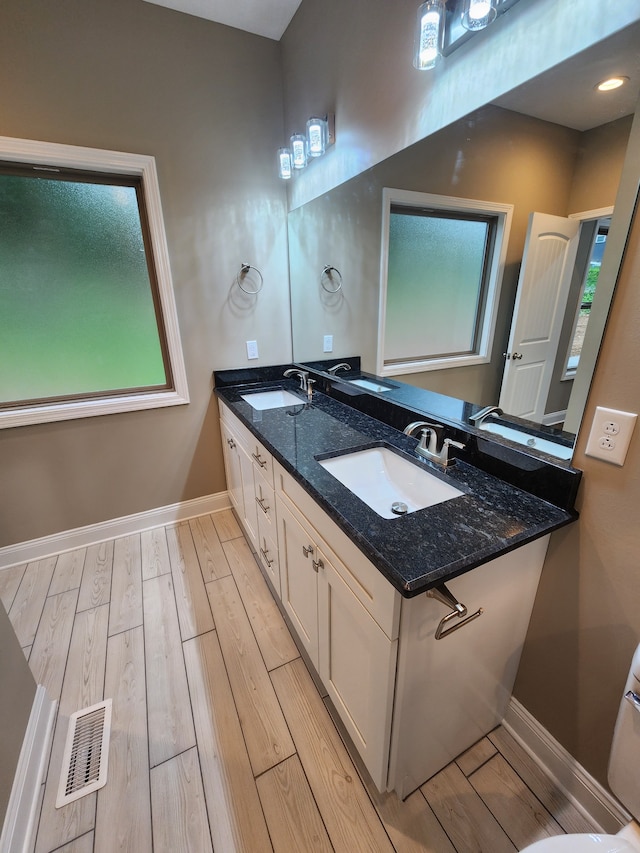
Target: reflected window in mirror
{"type": "Point", "coordinates": [441, 271]}
{"type": "Point", "coordinates": [587, 293]}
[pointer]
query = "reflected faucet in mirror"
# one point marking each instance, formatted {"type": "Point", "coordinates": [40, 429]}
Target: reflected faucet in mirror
{"type": "Point", "coordinates": [336, 367]}
{"type": "Point", "coordinates": [480, 416]}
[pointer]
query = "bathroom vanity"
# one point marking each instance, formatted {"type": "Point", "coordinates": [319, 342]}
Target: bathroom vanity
{"type": "Point", "coordinates": [356, 587]}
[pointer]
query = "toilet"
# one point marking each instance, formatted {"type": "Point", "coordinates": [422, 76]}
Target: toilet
{"type": "Point", "coordinates": [623, 779]}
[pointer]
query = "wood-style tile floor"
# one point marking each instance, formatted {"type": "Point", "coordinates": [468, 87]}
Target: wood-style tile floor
{"type": "Point", "coordinates": [220, 740]}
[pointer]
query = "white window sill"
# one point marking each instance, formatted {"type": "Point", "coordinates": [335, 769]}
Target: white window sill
{"type": "Point", "coordinates": [48, 413]}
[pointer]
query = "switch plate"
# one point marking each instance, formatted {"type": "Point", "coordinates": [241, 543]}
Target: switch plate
{"type": "Point", "coordinates": [610, 435]}
{"type": "Point", "coordinates": [328, 343]}
{"type": "Point", "coordinates": [252, 349]}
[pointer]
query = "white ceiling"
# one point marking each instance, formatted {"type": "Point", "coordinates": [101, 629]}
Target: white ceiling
{"type": "Point", "coordinates": [268, 18]}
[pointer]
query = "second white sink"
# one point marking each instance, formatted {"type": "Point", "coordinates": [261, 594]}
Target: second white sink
{"type": "Point", "coordinates": [536, 442]}
{"type": "Point", "coordinates": [382, 479]}
{"type": "Point", "coordinates": [277, 399]}
{"type": "Point", "coordinates": [369, 385]}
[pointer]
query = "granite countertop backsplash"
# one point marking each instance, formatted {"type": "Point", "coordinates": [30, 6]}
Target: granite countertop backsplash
{"type": "Point", "coordinates": [414, 551]}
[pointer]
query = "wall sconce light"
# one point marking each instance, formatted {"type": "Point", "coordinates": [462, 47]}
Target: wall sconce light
{"type": "Point", "coordinates": [299, 150]}
{"type": "Point", "coordinates": [319, 136]}
{"type": "Point", "coordinates": [429, 36]}
{"type": "Point", "coordinates": [478, 14]}
{"type": "Point", "coordinates": [316, 136]}
{"type": "Point", "coordinates": [285, 164]}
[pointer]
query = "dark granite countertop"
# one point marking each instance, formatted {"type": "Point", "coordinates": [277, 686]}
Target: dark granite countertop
{"type": "Point", "coordinates": [414, 551]}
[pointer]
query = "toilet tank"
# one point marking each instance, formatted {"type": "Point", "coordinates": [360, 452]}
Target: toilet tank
{"type": "Point", "coordinates": [625, 749]}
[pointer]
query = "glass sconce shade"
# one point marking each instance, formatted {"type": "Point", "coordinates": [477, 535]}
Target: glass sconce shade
{"type": "Point", "coordinates": [299, 151]}
{"type": "Point", "coordinates": [285, 165]}
{"type": "Point", "coordinates": [477, 14]}
{"type": "Point", "coordinates": [316, 136]}
{"type": "Point", "coordinates": [429, 34]}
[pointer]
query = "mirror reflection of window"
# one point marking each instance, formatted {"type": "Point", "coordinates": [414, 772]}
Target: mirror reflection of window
{"type": "Point", "coordinates": [586, 298]}
{"type": "Point", "coordinates": [442, 266]}
{"type": "Point", "coordinates": [436, 282]}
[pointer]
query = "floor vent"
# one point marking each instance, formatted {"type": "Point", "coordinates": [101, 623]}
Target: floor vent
{"type": "Point", "coordinates": [86, 753]}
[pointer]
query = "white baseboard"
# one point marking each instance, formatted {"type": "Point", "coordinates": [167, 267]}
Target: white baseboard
{"type": "Point", "coordinates": [585, 792]}
{"type": "Point", "coordinates": [21, 817]}
{"type": "Point", "coordinates": [81, 537]}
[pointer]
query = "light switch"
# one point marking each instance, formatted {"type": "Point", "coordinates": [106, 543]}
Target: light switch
{"type": "Point", "coordinates": [328, 343]}
{"type": "Point", "coordinates": [252, 349]}
{"type": "Point", "coordinates": [610, 435]}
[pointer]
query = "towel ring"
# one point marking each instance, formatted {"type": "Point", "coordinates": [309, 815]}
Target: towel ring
{"type": "Point", "coordinates": [244, 272]}
{"type": "Point", "coordinates": [328, 274]}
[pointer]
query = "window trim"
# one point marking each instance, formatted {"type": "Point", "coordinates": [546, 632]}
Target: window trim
{"type": "Point", "coordinates": [119, 163]}
{"type": "Point", "coordinates": [504, 213]}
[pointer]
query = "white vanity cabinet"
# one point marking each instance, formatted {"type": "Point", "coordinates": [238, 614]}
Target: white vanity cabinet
{"type": "Point", "coordinates": [326, 602]}
{"type": "Point", "coordinates": [409, 702]}
{"type": "Point", "coordinates": [249, 470]}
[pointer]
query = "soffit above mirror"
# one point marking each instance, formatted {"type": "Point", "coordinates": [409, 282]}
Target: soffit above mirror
{"type": "Point", "coordinates": [567, 94]}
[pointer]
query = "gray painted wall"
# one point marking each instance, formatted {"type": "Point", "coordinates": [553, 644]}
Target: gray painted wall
{"type": "Point", "coordinates": [205, 100]}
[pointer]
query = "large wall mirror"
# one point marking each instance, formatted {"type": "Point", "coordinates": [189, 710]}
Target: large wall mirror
{"type": "Point", "coordinates": [555, 147]}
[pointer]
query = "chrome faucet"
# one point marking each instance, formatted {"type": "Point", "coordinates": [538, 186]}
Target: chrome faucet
{"type": "Point", "coordinates": [342, 366]}
{"type": "Point", "coordinates": [480, 416]}
{"type": "Point", "coordinates": [302, 375]}
{"type": "Point", "coordinates": [428, 433]}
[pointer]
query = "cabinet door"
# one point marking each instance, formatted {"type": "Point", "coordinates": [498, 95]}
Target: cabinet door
{"type": "Point", "coordinates": [357, 664]}
{"type": "Point", "coordinates": [232, 467]}
{"type": "Point", "coordinates": [249, 509]}
{"type": "Point", "coordinates": [299, 579]}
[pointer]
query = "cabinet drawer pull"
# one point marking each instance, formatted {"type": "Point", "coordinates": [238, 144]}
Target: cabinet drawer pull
{"type": "Point", "coordinates": [231, 443]}
{"type": "Point", "coordinates": [260, 502]}
{"type": "Point", "coordinates": [317, 564]}
{"type": "Point", "coordinates": [265, 553]}
{"type": "Point", "coordinates": [458, 611]}
{"type": "Point", "coordinates": [261, 462]}
{"type": "Point", "coordinates": [306, 551]}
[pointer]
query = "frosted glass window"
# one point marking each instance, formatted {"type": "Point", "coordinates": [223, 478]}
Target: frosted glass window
{"type": "Point", "coordinates": [436, 283]}
{"type": "Point", "coordinates": [79, 309]}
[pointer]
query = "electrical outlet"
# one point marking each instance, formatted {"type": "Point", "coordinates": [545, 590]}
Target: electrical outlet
{"type": "Point", "coordinates": [328, 343]}
{"type": "Point", "coordinates": [610, 435]}
{"type": "Point", "coordinates": [252, 349]}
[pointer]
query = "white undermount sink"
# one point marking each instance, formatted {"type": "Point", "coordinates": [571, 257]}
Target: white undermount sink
{"type": "Point", "coordinates": [382, 478]}
{"type": "Point", "coordinates": [369, 385]}
{"type": "Point", "coordinates": [277, 399]}
{"type": "Point", "coordinates": [528, 440]}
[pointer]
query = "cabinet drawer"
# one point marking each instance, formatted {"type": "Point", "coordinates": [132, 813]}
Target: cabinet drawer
{"type": "Point", "coordinates": [373, 590]}
{"type": "Point", "coordinates": [261, 458]}
{"type": "Point", "coordinates": [268, 556]}
{"type": "Point", "coordinates": [256, 450]}
{"type": "Point", "coordinates": [266, 504]}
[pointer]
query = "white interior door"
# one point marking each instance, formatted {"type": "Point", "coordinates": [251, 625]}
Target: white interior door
{"type": "Point", "coordinates": [543, 288]}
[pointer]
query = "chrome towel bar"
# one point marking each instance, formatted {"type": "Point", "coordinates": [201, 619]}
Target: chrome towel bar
{"type": "Point", "coordinates": [458, 610]}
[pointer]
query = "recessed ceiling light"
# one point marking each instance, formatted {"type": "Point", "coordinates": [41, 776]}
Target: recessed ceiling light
{"type": "Point", "coordinates": [611, 83]}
